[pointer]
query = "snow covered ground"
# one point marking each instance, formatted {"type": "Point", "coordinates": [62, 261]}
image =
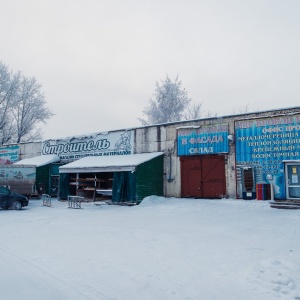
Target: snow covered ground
{"type": "Point", "coordinates": [165, 248]}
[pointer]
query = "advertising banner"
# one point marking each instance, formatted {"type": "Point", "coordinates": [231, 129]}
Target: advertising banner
{"type": "Point", "coordinates": [9, 154]}
{"type": "Point", "coordinates": [202, 140]}
{"type": "Point", "coordinates": [265, 144]}
{"type": "Point", "coordinates": [102, 144]}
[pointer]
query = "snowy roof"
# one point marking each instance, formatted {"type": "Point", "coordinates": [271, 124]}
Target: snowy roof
{"type": "Point", "coordinates": [39, 161]}
{"type": "Point", "coordinates": [108, 163]}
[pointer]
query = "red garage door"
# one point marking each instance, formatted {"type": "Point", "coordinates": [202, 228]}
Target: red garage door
{"type": "Point", "coordinates": [203, 176]}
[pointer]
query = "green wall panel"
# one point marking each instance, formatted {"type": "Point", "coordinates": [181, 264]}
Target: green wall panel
{"type": "Point", "coordinates": [149, 178]}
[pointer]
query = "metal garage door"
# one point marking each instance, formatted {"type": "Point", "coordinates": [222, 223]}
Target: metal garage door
{"type": "Point", "coordinates": [203, 176]}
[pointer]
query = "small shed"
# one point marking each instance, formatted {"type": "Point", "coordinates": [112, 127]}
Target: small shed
{"type": "Point", "coordinates": [47, 172]}
{"type": "Point", "coordinates": [126, 178]}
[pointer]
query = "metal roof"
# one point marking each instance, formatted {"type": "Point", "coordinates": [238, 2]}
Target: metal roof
{"type": "Point", "coordinates": [116, 163]}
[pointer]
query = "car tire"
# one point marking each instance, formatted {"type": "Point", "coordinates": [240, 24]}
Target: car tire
{"type": "Point", "coordinates": [17, 205]}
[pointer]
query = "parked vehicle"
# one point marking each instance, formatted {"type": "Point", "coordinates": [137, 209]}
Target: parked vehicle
{"type": "Point", "coordinates": [11, 200]}
{"type": "Point", "coordinates": [20, 179]}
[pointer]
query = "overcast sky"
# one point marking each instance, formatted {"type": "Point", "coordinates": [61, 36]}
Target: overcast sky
{"type": "Point", "coordinates": [98, 61]}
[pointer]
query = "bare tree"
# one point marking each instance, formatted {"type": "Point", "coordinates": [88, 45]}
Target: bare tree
{"type": "Point", "coordinates": [9, 84]}
{"type": "Point", "coordinates": [209, 114]}
{"type": "Point", "coordinates": [22, 107]}
{"type": "Point", "coordinates": [170, 102]}
{"type": "Point", "coordinates": [29, 109]}
{"type": "Point", "coordinates": [193, 111]}
{"type": "Point", "coordinates": [242, 110]}
{"type": "Point", "coordinates": [8, 131]}
{"type": "Point", "coordinates": [167, 104]}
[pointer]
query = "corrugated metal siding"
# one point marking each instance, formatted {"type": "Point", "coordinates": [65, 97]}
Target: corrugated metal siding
{"type": "Point", "coordinates": [54, 169]}
{"type": "Point", "coordinates": [42, 179]}
{"type": "Point", "coordinates": [149, 178]}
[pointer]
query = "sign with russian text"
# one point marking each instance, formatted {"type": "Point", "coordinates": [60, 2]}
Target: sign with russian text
{"type": "Point", "coordinates": [202, 140]}
{"type": "Point", "coordinates": [265, 144]}
{"type": "Point", "coordinates": [102, 144]}
{"type": "Point", "coordinates": [9, 154]}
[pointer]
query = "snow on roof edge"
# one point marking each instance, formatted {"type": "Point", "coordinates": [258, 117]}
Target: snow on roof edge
{"type": "Point", "coordinates": [111, 161]}
{"type": "Point", "coordinates": [39, 161]}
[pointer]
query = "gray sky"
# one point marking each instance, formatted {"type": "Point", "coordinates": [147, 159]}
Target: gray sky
{"type": "Point", "coordinates": [98, 61]}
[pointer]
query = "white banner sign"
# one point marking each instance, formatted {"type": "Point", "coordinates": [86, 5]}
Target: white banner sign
{"type": "Point", "coordinates": [102, 144]}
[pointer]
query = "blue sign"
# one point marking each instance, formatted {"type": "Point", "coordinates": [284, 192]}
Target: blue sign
{"type": "Point", "coordinates": [202, 140]}
{"type": "Point", "coordinates": [9, 154]}
{"type": "Point", "coordinates": [265, 144]}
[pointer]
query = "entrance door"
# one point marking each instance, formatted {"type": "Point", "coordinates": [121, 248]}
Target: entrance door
{"type": "Point", "coordinates": [54, 183]}
{"type": "Point", "coordinates": [292, 173]}
{"type": "Point", "coordinates": [203, 176]}
{"type": "Point", "coordinates": [191, 177]}
{"type": "Point", "coordinates": [213, 177]}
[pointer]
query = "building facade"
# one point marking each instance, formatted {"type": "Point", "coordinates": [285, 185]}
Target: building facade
{"type": "Point", "coordinates": [219, 157]}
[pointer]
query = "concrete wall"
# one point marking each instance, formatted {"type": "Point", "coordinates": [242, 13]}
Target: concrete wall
{"type": "Point", "coordinates": [31, 149]}
{"type": "Point", "coordinates": [164, 138]}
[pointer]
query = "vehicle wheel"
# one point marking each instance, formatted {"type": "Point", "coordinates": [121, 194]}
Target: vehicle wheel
{"type": "Point", "coordinates": [17, 205]}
